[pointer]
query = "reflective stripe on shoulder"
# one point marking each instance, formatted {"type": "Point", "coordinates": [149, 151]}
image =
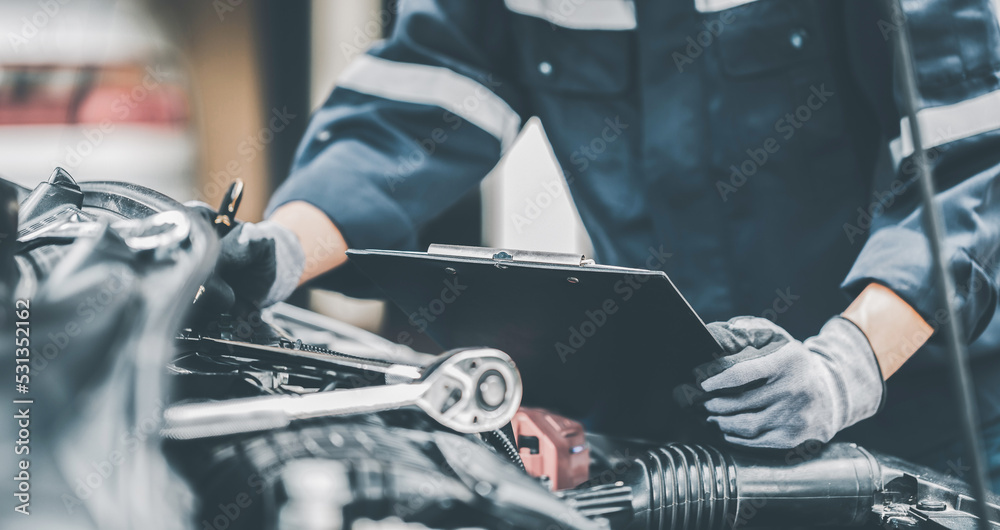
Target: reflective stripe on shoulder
{"type": "Point", "coordinates": [712, 6]}
{"type": "Point", "coordinates": [949, 123]}
{"type": "Point", "coordinates": [433, 85]}
{"type": "Point", "coordinates": [614, 15]}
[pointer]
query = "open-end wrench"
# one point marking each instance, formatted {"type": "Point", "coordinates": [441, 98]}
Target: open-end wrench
{"type": "Point", "coordinates": [225, 219]}
{"type": "Point", "coordinates": [469, 390]}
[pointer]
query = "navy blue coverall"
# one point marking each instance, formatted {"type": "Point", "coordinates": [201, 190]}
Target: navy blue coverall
{"type": "Point", "coordinates": [757, 141]}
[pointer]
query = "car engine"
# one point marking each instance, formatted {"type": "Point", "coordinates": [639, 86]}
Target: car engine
{"type": "Point", "coordinates": [150, 411]}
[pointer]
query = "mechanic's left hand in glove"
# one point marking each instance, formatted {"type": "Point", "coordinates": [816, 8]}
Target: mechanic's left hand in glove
{"type": "Point", "coordinates": [770, 390]}
{"type": "Point", "coordinates": [259, 263]}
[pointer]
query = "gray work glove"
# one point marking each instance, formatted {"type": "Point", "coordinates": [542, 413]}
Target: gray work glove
{"type": "Point", "coordinates": [773, 391]}
{"type": "Point", "coordinates": [259, 264]}
{"type": "Point", "coordinates": [262, 262]}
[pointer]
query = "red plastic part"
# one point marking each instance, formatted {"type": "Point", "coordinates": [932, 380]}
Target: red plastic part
{"type": "Point", "coordinates": [552, 446]}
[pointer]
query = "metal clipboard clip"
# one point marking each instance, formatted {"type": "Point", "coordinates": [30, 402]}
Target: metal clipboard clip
{"type": "Point", "coordinates": [503, 255]}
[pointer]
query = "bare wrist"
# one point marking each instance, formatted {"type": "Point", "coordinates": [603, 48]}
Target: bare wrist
{"type": "Point", "coordinates": [894, 329]}
{"type": "Point", "coordinates": [322, 243]}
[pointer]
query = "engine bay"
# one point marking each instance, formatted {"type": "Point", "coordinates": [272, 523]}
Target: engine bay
{"type": "Point", "coordinates": [151, 411]}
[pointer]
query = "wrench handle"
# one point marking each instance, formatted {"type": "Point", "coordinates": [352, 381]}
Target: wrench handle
{"type": "Point", "coordinates": [233, 416]}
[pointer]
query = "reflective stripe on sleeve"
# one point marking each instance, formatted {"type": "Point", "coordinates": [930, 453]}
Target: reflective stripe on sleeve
{"type": "Point", "coordinates": [613, 15]}
{"type": "Point", "coordinates": [712, 6]}
{"type": "Point", "coordinates": [949, 123]}
{"type": "Point", "coordinates": [433, 85]}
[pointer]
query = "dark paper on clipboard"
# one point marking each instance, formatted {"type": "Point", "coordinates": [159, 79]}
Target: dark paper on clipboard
{"type": "Point", "coordinates": [605, 345]}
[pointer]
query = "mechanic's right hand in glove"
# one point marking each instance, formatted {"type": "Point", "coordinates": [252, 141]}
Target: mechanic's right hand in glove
{"type": "Point", "coordinates": [259, 263]}
{"type": "Point", "coordinates": [262, 262]}
{"type": "Point", "coordinates": [770, 390]}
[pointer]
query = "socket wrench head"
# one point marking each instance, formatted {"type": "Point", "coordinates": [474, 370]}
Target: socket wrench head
{"type": "Point", "coordinates": [472, 390]}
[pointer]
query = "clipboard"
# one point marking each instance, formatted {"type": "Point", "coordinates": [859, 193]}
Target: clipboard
{"type": "Point", "coordinates": [601, 344]}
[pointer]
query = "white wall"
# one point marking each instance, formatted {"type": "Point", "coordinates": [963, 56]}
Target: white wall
{"type": "Point", "coordinates": [527, 175]}
{"type": "Point", "coordinates": [526, 203]}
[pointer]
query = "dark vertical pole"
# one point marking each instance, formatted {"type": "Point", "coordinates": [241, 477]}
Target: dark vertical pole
{"type": "Point", "coordinates": [954, 335]}
{"type": "Point", "coordinates": [284, 48]}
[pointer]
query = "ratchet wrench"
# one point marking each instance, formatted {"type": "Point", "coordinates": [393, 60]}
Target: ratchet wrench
{"type": "Point", "coordinates": [469, 391]}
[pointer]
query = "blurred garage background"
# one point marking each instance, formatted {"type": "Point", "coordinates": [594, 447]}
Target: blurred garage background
{"type": "Point", "coordinates": [187, 95]}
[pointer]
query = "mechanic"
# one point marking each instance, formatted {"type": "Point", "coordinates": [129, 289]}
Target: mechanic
{"type": "Point", "coordinates": [758, 141]}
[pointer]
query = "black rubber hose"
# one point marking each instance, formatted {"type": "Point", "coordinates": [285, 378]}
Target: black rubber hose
{"type": "Point", "coordinates": [691, 487]}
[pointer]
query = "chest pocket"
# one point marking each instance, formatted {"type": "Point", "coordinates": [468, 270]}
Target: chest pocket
{"type": "Point", "coordinates": [769, 36]}
{"type": "Point", "coordinates": [573, 61]}
{"type": "Point", "coordinates": [777, 69]}
{"type": "Point", "coordinates": [579, 83]}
